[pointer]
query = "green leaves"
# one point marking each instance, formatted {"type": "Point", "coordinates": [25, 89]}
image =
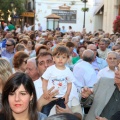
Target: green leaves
{"type": "Point", "coordinates": [85, 9]}
{"type": "Point", "coordinates": [5, 5]}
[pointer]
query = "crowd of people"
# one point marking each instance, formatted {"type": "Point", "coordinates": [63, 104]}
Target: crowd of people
{"type": "Point", "coordinates": [59, 74]}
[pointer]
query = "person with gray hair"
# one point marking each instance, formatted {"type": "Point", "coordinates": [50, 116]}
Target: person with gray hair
{"type": "Point", "coordinates": [76, 42]}
{"type": "Point", "coordinates": [109, 71]}
{"type": "Point", "coordinates": [98, 63]}
{"type": "Point", "coordinates": [84, 72]}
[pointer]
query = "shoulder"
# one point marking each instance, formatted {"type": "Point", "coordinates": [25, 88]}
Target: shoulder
{"type": "Point", "coordinates": [41, 116]}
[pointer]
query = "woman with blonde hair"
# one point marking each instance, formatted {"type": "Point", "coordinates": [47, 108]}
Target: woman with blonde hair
{"type": "Point", "coordinates": [5, 73]}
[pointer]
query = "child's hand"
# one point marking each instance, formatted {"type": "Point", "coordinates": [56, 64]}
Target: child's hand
{"type": "Point", "coordinates": [66, 98]}
{"type": "Point", "coordinates": [46, 95]}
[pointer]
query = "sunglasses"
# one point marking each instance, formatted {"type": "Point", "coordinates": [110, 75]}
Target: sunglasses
{"type": "Point", "coordinates": [25, 61]}
{"type": "Point", "coordinates": [9, 45]}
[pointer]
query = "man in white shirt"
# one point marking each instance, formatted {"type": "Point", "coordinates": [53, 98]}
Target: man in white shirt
{"type": "Point", "coordinates": [109, 71]}
{"type": "Point", "coordinates": [84, 72]}
{"type": "Point", "coordinates": [32, 71]}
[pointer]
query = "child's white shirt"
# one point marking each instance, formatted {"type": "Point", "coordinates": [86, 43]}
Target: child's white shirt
{"type": "Point", "coordinates": [58, 78]}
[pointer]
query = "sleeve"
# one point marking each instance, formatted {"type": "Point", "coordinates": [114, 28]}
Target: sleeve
{"type": "Point", "coordinates": [79, 76]}
{"type": "Point", "coordinates": [71, 77]}
{"type": "Point", "coordinates": [46, 74]}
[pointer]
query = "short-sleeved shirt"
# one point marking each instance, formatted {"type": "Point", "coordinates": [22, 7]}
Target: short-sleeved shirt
{"type": "Point", "coordinates": [58, 79]}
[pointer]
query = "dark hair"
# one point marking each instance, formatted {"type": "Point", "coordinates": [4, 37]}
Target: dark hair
{"type": "Point", "coordinates": [39, 48]}
{"type": "Point", "coordinates": [33, 43]}
{"type": "Point", "coordinates": [82, 46]}
{"type": "Point", "coordinates": [63, 116]}
{"type": "Point", "coordinates": [42, 55]}
{"type": "Point", "coordinates": [19, 58]}
{"type": "Point", "coordinates": [12, 85]}
{"type": "Point", "coordinates": [60, 50]}
{"type": "Point", "coordinates": [70, 44]}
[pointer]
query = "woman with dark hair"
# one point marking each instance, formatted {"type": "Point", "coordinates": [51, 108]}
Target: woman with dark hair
{"type": "Point", "coordinates": [48, 44]}
{"type": "Point", "coordinates": [20, 61]}
{"type": "Point", "coordinates": [30, 48]}
{"type": "Point", "coordinates": [19, 99]}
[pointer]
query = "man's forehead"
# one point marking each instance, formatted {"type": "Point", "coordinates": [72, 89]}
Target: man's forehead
{"type": "Point", "coordinates": [44, 58]}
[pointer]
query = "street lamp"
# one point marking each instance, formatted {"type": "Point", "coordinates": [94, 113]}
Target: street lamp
{"type": "Point", "coordinates": [84, 10]}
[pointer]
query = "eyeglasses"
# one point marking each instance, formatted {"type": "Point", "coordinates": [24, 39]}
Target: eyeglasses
{"type": "Point", "coordinates": [9, 45]}
{"type": "Point", "coordinates": [25, 61]}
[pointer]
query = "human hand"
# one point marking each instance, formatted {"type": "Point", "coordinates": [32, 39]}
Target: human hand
{"type": "Point", "coordinates": [51, 94]}
{"type": "Point", "coordinates": [63, 110]}
{"type": "Point", "coordinates": [100, 118]}
{"type": "Point", "coordinates": [46, 95]}
{"type": "Point", "coordinates": [86, 92]}
{"type": "Point", "coordinates": [66, 98]}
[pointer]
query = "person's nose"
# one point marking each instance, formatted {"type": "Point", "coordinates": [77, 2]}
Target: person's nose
{"type": "Point", "coordinates": [46, 64]}
{"type": "Point", "coordinates": [17, 97]}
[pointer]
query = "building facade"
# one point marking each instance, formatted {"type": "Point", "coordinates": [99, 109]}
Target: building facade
{"type": "Point", "coordinates": [101, 14]}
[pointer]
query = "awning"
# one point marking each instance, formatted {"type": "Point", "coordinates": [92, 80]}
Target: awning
{"type": "Point", "coordinates": [99, 8]}
{"type": "Point", "coordinates": [28, 14]}
{"type": "Point", "coordinates": [53, 16]}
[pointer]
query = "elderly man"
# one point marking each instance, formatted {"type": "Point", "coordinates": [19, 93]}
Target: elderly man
{"type": "Point", "coordinates": [110, 69]}
{"type": "Point", "coordinates": [98, 63]}
{"type": "Point", "coordinates": [103, 50]}
{"type": "Point", "coordinates": [106, 98]}
{"type": "Point", "coordinates": [32, 71]}
{"type": "Point", "coordinates": [84, 71]}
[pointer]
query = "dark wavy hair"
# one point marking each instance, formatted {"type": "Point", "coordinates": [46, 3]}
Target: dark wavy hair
{"type": "Point", "coordinates": [12, 85]}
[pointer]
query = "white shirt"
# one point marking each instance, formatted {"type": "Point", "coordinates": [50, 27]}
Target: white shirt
{"type": "Point", "coordinates": [106, 72]}
{"type": "Point", "coordinates": [85, 75]}
{"type": "Point", "coordinates": [103, 54]}
{"type": "Point", "coordinates": [38, 87]}
{"type": "Point", "coordinates": [6, 28]}
{"type": "Point", "coordinates": [58, 79]}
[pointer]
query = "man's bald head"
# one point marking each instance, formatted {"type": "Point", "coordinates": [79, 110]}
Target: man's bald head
{"type": "Point", "coordinates": [88, 55]}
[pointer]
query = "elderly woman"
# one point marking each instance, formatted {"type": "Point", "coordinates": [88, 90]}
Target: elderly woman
{"type": "Point", "coordinates": [20, 61]}
{"type": "Point", "coordinates": [5, 72]}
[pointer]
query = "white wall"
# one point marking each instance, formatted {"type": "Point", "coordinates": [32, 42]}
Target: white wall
{"type": "Point", "coordinates": [44, 8]}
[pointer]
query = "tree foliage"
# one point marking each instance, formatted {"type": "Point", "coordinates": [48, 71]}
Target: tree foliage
{"type": "Point", "coordinates": [5, 5]}
{"type": "Point", "coordinates": [116, 25]}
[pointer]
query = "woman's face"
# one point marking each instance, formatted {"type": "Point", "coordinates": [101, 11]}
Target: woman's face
{"type": "Point", "coordinates": [19, 100]}
{"type": "Point", "coordinates": [29, 44]}
{"type": "Point", "coordinates": [49, 45]}
{"type": "Point", "coordinates": [23, 65]}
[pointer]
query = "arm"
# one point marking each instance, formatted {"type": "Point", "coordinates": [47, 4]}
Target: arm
{"type": "Point", "coordinates": [69, 86]}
